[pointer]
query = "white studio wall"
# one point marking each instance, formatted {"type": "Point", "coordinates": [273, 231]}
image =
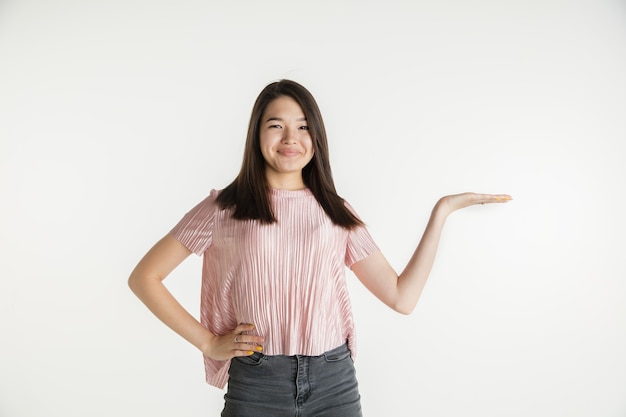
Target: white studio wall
{"type": "Point", "coordinates": [117, 117]}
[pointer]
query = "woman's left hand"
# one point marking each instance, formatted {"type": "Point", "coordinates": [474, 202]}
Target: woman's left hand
{"type": "Point", "coordinates": [455, 202]}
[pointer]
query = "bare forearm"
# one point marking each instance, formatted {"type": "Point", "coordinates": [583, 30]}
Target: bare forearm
{"type": "Point", "coordinates": [412, 280]}
{"type": "Point", "coordinates": [167, 309]}
{"type": "Point", "coordinates": [402, 292]}
{"type": "Point", "coordinates": [146, 281]}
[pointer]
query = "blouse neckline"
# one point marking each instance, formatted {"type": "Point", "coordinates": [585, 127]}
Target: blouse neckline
{"type": "Point", "coordinates": [275, 192]}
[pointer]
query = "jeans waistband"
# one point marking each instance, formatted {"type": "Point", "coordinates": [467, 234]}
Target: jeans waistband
{"type": "Point", "coordinates": [335, 352]}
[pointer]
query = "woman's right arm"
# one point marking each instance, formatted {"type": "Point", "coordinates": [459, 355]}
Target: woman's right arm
{"type": "Point", "coordinates": [146, 281]}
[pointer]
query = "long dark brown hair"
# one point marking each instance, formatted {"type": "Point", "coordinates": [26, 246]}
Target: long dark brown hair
{"type": "Point", "coordinates": [249, 195]}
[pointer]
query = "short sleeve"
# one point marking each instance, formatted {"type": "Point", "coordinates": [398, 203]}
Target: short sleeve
{"type": "Point", "coordinates": [360, 243]}
{"type": "Point", "coordinates": [195, 229]}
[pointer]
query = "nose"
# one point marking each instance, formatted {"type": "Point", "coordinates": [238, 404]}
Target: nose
{"type": "Point", "coordinates": [289, 136]}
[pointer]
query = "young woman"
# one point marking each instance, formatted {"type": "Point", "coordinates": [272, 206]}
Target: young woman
{"type": "Point", "coordinates": [276, 322]}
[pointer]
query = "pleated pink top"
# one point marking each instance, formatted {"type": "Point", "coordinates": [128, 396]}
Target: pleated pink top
{"type": "Point", "coordinates": [287, 278]}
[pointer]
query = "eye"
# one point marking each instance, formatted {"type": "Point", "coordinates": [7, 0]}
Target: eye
{"type": "Point", "coordinates": [275, 126]}
{"type": "Point", "coordinates": [304, 128]}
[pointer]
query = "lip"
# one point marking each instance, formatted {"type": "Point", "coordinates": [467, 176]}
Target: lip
{"type": "Point", "coordinates": [289, 152]}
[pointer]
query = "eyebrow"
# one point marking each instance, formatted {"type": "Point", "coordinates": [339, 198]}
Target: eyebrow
{"type": "Point", "coordinates": [302, 119]}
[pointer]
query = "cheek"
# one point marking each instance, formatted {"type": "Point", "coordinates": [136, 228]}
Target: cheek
{"type": "Point", "coordinates": [311, 150]}
{"type": "Point", "coordinates": [265, 143]}
{"type": "Point", "coordinates": [263, 147]}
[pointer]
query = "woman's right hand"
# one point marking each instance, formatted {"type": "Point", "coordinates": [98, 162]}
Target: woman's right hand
{"type": "Point", "coordinates": [146, 281]}
{"type": "Point", "coordinates": [232, 344]}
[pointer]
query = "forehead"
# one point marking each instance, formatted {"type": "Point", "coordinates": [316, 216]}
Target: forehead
{"type": "Point", "coordinates": [285, 106]}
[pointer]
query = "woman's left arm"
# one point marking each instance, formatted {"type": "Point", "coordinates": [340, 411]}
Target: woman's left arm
{"type": "Point", "coordinates": [401, 292]}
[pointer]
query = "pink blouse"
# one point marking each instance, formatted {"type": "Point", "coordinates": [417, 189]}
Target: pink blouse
{"type": "Point", "coordinates": [287, 278]}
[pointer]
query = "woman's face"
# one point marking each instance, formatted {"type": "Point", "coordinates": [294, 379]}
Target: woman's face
{"type": "Point", "coordinates": [285, 143]}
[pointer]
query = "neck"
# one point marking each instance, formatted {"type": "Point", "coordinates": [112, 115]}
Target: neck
{"type": "Point", "coordinates": [289, 182]}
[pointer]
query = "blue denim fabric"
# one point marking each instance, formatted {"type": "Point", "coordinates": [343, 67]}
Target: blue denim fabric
{"type": "Point", "coordinates": [293, 386]}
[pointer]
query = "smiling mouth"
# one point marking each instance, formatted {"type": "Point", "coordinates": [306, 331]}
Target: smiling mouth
{"type": "Point", "coordinates": [289, 152]}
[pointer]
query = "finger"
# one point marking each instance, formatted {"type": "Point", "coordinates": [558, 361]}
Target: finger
{"type": "Point", "coordinates": [243, 327]}
{"type": "Point", "coordinates": [247, 342]}
{"type": "Point", "coordinates": [247, 345]}
{"type": "Point", "coordinates": [241, 336]}
{"type": "Point", "coordinates": [239, 330]}
{"type": "Point", "coordinates": [501, 198]}
{"type": "Point", "coordinates": [248, 339]}
{"type": "Point", "coordinates": [249, 349]}
{"type": "Point", "coordinates": [492, 198]}
{"type": "Point", "coordinates": [243, 353]}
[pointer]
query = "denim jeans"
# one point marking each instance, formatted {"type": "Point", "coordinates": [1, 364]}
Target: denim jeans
{"type": "Point", "coordinates": [293, 386]}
